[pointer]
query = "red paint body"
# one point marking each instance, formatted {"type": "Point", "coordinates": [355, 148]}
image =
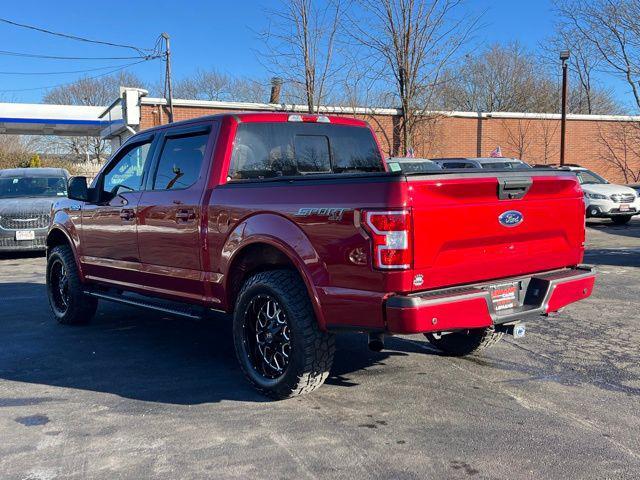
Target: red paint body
{"type": "Point", "coordinates": [456, 238]}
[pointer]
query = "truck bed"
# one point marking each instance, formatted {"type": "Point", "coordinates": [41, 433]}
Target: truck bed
{"type": "Point", "coordinates": [456, 235]}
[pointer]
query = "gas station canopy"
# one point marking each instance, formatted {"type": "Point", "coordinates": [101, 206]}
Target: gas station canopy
{"type": "Point", "coordinates": [41, 119]}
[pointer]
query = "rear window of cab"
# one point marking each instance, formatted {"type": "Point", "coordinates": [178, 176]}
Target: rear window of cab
{"type": "Point", "coordinates": [278, 149]}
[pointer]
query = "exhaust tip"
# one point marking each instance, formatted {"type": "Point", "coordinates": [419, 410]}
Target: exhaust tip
{"type": "Point", "coordinates": [376, 342]}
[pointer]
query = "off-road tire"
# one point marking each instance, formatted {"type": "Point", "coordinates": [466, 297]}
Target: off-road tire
{"type": "Point", "coordinates": [465, 342]}
{"type": "Point", "coordinates": [622, 219]}
{"type": "Point", "coordinates": [80, 308]}
{"type": "Point", "coordinates": [312, 350]}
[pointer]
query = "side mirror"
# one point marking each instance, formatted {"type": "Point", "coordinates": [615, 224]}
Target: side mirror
{"type": "Point", "coordinates": [77, 189]}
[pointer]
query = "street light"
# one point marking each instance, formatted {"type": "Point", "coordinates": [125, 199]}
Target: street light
{"type": "Point", "coordinates": [564, 56]}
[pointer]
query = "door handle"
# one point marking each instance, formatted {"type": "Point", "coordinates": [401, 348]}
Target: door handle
{"type": "Point", "coordinates": [127, 214]}
{"type": "Point", "coordinates": [513, 188]}
{"type": "Point", "coordinates": [185, 215]}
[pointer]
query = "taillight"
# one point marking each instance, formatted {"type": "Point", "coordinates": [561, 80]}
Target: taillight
{"type": "Point", "coordinates": [390, 233]}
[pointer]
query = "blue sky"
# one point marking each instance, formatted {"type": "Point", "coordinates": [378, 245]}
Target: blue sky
{"type": "Point", "coordinates": [205, 34]}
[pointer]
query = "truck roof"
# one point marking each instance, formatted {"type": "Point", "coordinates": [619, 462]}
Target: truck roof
{"type": "Point", "coordinates": [34, 172]}
{"type": "Point", "coordinates": [478, 159]}
{"type": "Point", "coordinates": [249, 117]}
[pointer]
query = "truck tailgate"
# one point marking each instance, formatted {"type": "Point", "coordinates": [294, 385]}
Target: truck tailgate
{"type": "Point", "coordinates": [460, 239]}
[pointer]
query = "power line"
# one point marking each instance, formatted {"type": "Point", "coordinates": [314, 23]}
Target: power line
{"type": "Point", "coordinates": [69, 83]}
{"type": "Point", "coordinates": [72, 37]}
{"type": "Point", "coordinates": [72, 71]}
{"type": "Point", "coordinates": [59, 57]}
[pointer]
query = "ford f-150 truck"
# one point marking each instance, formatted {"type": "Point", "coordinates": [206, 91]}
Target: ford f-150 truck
{"type": "Point", "coordinates": [295, 225]}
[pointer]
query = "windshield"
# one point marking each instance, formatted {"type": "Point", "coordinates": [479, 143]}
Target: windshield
{"type": "Point", "coordinates": [585, 177]}
{"type": "Point", "coordinates": [33, 187]}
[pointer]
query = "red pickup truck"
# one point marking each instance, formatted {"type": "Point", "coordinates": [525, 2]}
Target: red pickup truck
{"type": "Point", "coordinates": [297, 226]}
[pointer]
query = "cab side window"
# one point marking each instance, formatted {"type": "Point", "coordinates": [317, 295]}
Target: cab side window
{"type": "Point", "coordinates": [180, 162]}
{"type": "Point", "coordinates": [127, 172]}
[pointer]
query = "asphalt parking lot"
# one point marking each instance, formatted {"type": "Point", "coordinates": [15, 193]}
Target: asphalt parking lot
{"type": "Point", "coordinates": [135, 395]}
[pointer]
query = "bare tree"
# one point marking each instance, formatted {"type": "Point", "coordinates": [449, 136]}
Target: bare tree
{"type": "Point", "coordinates": [548, 130]}
{"type": "Point", "coordinates": [300, 47]}
{"type": "Point", "coordinates": [610, 28]}
{"type": "Point", "coordinates": [505, 78]}
{"type": "Point", "coordinates": [214, 85]}
{"type": "Point", "coordinates": [620, 145]}
{"type": "Point", "coordinates": [409, 43]}
{"type": "Point", "coordinates": [519, 136]}
{"type": "Point", "coordinates": [15, 150]}
{"type": "Point", "coordinates": [87, 91]}
{"type": "Point", "coordinates": [587, 94]}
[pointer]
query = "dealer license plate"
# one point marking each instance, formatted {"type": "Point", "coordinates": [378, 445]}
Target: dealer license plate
{"type": "Point", "coordinates": [624, 207]}
{"type": "Point", "coordinates": [25, 235]}
{"type": "Point", "coordinates": [505, 296]}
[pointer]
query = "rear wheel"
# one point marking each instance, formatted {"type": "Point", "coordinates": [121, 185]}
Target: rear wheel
{"type": "Point", "coordinates": [67, 300]}
{"type": "Point", "coordinates": [278, 343]}
{"type": "Point", "coordinates": [465, 342]}
{"type": "Point", "coordinates": [621, 219]}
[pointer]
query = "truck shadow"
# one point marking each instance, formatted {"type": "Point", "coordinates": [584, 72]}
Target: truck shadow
{"type": "Point", "coordinates": [632, 229]}
{"type": "Point", "coordinates": [137, 354]}
{"type": "Point", "coordinates": [24, 254]}
{"type": "Point", "coordinates": [620, 257]}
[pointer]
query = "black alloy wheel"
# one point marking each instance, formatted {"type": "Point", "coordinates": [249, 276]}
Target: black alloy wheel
{"type": "Point", "coordinates": [59, 286]}
{"type": "Point", "coordinates": [280, 347]}
{"type": "Point", "coordinates": [268, 336]}
{"type": "Point", "coordinates": [68, 301]}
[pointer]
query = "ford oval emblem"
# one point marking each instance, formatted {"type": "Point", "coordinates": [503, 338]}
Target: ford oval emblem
{"type": "Point", "coordinates": [511, 218]}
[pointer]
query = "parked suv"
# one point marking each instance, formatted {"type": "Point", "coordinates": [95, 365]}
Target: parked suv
{"type": "Point", "coordinates": [26, 197]}
{"type": "Point", "coordinates": [294, 225]}
{"type": "Point", "coordinates": [481, 162]}
{"type": "Point", "coordinates": [606, 200]}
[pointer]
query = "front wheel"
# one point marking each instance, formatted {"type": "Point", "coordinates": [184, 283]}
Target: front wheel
{"type": "Point", "coordinates": [465, 342]}
{"type": "Point", "coordinates": [278, 343]}
{"type": "Point", "coordinates": [621, 220]}
{"type": "Point", "coordinates": [67, 300]}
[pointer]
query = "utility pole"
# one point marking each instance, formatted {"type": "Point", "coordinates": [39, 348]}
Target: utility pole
{"type": "Point", "coordinates": [564, 56]}
{"type": "Point", "coordinates": [167, 78]}
{"type": "Point", "coordinates": [86, 146]}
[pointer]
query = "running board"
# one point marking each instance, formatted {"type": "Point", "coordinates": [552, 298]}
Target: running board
{"type": "Point", "coordinates": [185, 311]}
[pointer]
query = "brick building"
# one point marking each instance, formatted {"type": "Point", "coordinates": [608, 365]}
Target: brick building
{"type": "Point", "coordinates": [607, 144]}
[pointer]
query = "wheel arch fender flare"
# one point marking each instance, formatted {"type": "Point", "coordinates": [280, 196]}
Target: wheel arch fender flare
{"type": "Point", "coordinates": [57, 235]}
{"type": "Point", "coordinates": [285, 236]}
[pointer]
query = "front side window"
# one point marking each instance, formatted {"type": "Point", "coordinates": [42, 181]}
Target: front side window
{"type": "Point", "coordinates": [126, 173]}
{"type": "Point", "coordinates": [276, 149]}
{"type": "Point", "coordinates": [180, 162]}
{"type": "Point", "coordinates": [11, 187]}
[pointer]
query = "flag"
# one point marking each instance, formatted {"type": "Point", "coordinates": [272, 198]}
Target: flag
{"type": "Point", "coordinates": [411, 153]}
{"type": "Point", "coordinates": [497, 153]}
